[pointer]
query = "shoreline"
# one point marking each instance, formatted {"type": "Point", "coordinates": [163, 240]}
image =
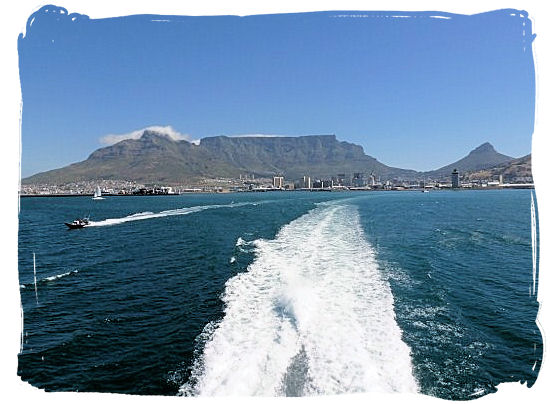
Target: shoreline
{"type": "Point", "coordinates": [514, 186]}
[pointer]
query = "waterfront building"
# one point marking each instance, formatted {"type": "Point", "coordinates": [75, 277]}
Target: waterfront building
{"type": "Point", "coordinates": [323, 184]}
{"type": "Point", "coordinates": [305, 182]}
{"type": "Point", "coordinates": [455, 180]}
{"type": "Point", "coordinates": [167, 190]}
{"type": "Point", "coordinates": [327, 183]}
{"type": "Point", "coordinates": [278, 182]}
{"type": "Point", "coordinates": [358, 180]}
{"type": "Point", "coordinates": [372, 181]}
{"type": "Point", "coordinates": [341, 179]}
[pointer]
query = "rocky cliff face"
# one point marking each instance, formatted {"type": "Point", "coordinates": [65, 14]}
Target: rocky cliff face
{"type": "Point", "coordinates": [294, 157]}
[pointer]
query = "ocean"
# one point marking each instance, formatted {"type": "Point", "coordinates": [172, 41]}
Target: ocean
{"type": "Point", "coordinates": [281, 293]}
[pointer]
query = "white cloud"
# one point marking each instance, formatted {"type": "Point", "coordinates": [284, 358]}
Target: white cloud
{"type": "Point", "coordinates": [168, 131]}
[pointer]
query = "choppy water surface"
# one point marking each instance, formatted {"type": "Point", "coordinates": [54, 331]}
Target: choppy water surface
{"type": "Point", "coordinates": [290, 293]}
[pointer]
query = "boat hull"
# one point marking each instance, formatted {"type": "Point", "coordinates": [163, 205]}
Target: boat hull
{"type": "Point", "coordinates": [74, 226]}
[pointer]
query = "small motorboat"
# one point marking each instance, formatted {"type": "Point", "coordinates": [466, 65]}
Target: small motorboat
{"type": "Point", "coordinates": [78, 223]}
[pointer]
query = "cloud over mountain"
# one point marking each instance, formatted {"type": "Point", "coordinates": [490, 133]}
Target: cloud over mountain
{"type": "Point", "coordinates": [168, 131]}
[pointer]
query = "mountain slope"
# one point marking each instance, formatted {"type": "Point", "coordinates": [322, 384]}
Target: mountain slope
{"type": "Point", "coordinates": [515, 170]}
{"type": "Point", "coordinates": [482, 157]}
{"type": "Point", "coordinates": [151, 158]}
{"type": "Point", "coordinates": [157, 158]}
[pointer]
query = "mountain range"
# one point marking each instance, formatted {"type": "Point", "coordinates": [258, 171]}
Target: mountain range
{"type": "Point", "coordinates": [155, 157]}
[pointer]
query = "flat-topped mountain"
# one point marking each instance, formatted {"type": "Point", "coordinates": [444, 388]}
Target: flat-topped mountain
{"type": "Point", "coordinates": [155, 157]}
{"type": "Point", "coordinates": [316, 156]}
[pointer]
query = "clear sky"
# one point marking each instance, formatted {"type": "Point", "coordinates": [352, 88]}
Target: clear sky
{"type": "Point", "coordinates": [415, 91]}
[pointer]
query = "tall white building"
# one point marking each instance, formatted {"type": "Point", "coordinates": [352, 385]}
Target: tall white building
{"type": "Point", "coordinates": [372, 180]}
{"type": "Point", "coordinates": [278, 182]}
{"type": "Point", "coordinates": [306, 182]}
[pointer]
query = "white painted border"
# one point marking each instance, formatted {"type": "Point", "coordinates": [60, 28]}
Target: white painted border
{"type": "Point", "coordinates": [14, 22]}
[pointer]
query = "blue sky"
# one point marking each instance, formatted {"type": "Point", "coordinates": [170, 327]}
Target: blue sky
{"type": "Point", "coordinates": [416, 92]}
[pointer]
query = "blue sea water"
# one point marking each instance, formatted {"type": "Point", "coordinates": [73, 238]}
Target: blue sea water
{"type": "Point", "coordinates": [280, 293]}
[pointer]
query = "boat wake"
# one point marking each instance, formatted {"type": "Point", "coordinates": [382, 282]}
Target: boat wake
{"type": "Point", "coordinates": [49, 279]}
{"type": "Point", "coordinates": [312, 315]}
{"type": "Point", "coordinates": [172, 212]}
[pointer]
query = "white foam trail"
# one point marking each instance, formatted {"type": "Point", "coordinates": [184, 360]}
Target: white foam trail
{"type": "Point", "coordinates": [172, 212]}
{"type": "Point", "coordinates": [54, 277]}
{"type": "Point", "coordinates": [313, 315]}
{"type": "Point", "coordinates": [48, 279]}
{"type": "Point", "coordinates": [34, 270]}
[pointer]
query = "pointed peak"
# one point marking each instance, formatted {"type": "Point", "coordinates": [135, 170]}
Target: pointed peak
{"type": "Point", "coordinates": [485, 147]}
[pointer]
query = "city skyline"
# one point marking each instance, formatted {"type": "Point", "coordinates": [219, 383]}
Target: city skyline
{"type": "Point", "coordinates": [402, 85]}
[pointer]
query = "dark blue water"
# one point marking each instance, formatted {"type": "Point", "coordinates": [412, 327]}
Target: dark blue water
{"type": "Point", "coordinates": [141, 304]}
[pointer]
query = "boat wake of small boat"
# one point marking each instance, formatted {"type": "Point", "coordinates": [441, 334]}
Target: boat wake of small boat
{"type": "Point", "coordinates": [78, 223]}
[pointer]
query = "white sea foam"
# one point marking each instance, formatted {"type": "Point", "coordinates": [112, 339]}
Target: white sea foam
{"type": "Point", "coordinates": [245, 246]}
{"type": "Point", "coordinates": [54, 277]}
{"type": "Point", "coordinates": [50, 278]}
{"type": "Point", "coordinates": [312, 315]}
{"type": "Point", "coordinates": [240, 242]}
{"type": "Point", "coordinates": [172, 212]}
